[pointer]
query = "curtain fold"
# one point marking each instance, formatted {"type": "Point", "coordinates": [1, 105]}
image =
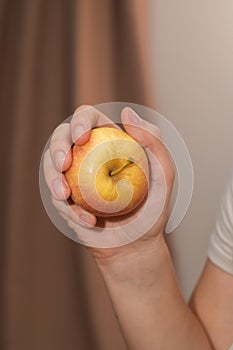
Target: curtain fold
{"type": "Point", "coordinates": [54, 56]}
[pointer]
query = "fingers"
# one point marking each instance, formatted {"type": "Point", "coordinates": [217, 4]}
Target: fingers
{"type": "Point", "coordinates": [78, 131]}
{"type": "Point", "coordinates": [60, 191]}
{"type": "Point", "coordinates": [85, 118]}
{"type": "Point", "coordinates": [60, 147]}
{"type": "Point", "coordinates": [74, 214]}
{"type": "Point", "coordinates": [55, 180]}
{"type": "Point", "coordinates": [148, 135]}
{"type": "Point", "coordinates": [143, 131]}
{"type": "Point", "coordinates": [59, 156]}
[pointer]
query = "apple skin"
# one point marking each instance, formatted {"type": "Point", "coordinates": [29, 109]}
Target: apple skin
{"type": "Point", "coordinates": [136, 173]}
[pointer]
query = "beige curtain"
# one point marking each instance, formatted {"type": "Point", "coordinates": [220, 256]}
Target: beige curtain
{"type": "Point", "coordinates": [56, 55]}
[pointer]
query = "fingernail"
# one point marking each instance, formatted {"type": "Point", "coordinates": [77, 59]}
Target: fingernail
{"type": "Point", "coordinates": [58, 188]}
{"type": "Point", "coordinates": [59, 159]}
{"type": "Point", "coordinates": [133, 117]}
{"type": "Point", "coordinates": [78, 131]}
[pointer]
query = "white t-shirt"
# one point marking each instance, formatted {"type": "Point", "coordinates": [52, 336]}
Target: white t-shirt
{"type": "Point", "coordinates": [220, 250]}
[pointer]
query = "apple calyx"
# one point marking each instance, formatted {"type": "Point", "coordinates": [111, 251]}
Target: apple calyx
{"type": "Point", "coordinates": [118, 170]}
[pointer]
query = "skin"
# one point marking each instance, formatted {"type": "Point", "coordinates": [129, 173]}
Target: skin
{"type": "Point", "coordinates": [212, 302]}
{"type": "Point", "coordinates": [140, 276]}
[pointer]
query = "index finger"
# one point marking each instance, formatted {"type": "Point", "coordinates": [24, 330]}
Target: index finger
{"type": "Point", "coordinates": [84, 119]}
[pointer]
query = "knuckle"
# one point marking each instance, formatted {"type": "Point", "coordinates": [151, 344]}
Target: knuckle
{"type": "Point", "coordinates": [59, 132]}
{"type": "Point", "coordinates": [47, 163]}
{"type": "Point", "coordinates": [59, 144]}
{"type": "Point", "coordinates": [80, 108]}
{"type": "Point", "coordinates": [85, 114]}
{"type": "Point", "coordinates": [46, 157]}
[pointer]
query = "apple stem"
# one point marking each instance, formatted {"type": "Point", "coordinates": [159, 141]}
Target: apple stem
{"type": "Point", "coordinates": [118, 170]}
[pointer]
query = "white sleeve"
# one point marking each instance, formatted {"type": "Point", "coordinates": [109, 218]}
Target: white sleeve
{"type": "Point", "coordinates": [220, 250]}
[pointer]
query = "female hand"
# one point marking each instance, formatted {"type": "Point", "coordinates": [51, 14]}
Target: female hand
{"type": "Point", "coordinates": [58, 158]}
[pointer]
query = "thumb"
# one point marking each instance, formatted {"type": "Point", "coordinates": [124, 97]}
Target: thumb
{"type": "Point", "coordinates": [147, 134]}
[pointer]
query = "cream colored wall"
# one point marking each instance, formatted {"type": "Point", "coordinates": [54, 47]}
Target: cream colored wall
{"type": "Point", "coordinates": [192, 65]}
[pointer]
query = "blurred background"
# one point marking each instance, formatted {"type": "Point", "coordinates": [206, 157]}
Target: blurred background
{"type": "Point", "coordinates": [175, 57]}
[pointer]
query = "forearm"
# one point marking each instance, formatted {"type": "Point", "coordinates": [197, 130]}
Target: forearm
{"type": "Point", "coordinates": [149, 306]}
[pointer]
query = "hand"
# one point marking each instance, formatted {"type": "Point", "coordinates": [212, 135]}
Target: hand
{"type": "Point", "coordinates": [59, 158]}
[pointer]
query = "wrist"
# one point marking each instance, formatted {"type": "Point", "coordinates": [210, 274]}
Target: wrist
{"type": "Point", "coordinates": [137, 263]}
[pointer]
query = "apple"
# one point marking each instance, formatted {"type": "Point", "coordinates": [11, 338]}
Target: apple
{"type": "Point", "coordinates": [109, 173]}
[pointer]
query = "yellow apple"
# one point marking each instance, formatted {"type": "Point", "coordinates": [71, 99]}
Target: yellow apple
{"type": "Point", "coordinates": [109, 173]}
